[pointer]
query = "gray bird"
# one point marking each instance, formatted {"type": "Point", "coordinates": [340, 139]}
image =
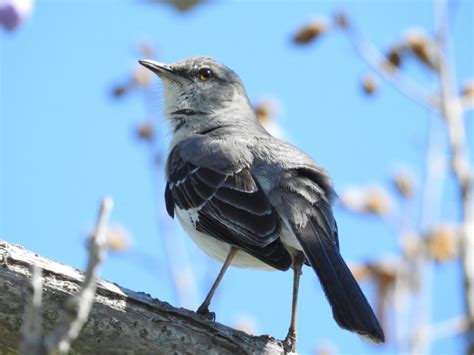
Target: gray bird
{"type": "Point", "coordinates": [249, 199]}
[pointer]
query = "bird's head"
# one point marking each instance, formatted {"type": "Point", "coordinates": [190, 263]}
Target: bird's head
{"type": "Point", "coordinates": [200, 91]}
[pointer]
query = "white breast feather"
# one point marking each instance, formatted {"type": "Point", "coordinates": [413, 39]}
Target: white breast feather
{"type": "Point", "coordinates": [215, 248]}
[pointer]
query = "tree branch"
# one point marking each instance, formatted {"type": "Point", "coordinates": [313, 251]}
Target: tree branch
{"type": "Point", "coordinates": [452, 111]}
{"type": "Point", "coordinates": [77, 308]}
{"type": "Point", "coordinates": [120, 320]}
{"type": "Point", "coordinates": [32, 329]}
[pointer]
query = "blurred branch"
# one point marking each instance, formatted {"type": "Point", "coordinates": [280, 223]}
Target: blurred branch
{"type": "Point", "coordinates": [447, 328]}
{"type": "Point", "coordinates": [452, 112]}
{"type": "Point", "coordinates": [77, 308]}
{"type": "Point", "coordinates": [120, 321]}
{"type": "Point", "coordinates": [467, 103]}
{"type": "Point", "coordinates": [31, 329]}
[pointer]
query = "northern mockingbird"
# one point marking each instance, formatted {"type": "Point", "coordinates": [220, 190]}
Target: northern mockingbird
{"type": "Point", "coordinates": [249, 199]}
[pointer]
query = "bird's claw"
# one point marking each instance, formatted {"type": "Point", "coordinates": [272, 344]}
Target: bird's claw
{"type": "Point", "coordinates": [206, 314]}
{"type": "Point", "coordinates": [289, 344]}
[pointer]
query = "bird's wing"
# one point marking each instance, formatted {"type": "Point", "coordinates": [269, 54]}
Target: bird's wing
{"type": "Point", "coordinates": [306, 208]}
{"type": "Point", "coordinates": [231, 206]}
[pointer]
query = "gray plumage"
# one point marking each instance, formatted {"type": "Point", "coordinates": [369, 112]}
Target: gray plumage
{"type": "Point", "coordinates": [230, 183]}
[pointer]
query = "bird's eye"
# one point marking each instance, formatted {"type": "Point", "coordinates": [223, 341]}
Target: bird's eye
{"type": "Point", "coordinates": [204, 74]}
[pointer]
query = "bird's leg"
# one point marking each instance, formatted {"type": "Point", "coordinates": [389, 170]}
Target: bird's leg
{"type": "Point", "coordinates": [290, 340]}
{"type": "Point", "coordinates": [204, 307]}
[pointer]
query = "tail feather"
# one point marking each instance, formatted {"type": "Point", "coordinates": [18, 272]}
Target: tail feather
{"type": "Point", "coordinates": [349, 305]}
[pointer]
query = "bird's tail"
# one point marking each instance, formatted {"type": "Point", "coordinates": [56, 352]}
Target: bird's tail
{"type": "Point", "coordinates": [349, 305]}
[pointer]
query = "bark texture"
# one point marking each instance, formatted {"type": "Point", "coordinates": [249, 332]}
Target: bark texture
{"type": "Point", "coordinates": [121, 321]}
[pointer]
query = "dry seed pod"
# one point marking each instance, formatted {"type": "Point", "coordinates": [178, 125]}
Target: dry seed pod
{"type": "Point", "coordinates": [379, 271]}
{"type": "Point", "coordinates": [310, 32]}
{"type": "Point", "coordinates": [468, 90]}
{"type": "Point", "coordinates": [184, 5]}
{"type": "Point", "coordinates": [142, 76]}
{"type": "Point", "coordinates": [423, 47]}
{"type": "Point", "coordinates": [443, 243]}
{"type": "Point", "coordinates": [378, 202]}
{"type": "Point", "coordinates": [394, 58]}
{"type": "Point", "coordinates": [410, 245]}
{"type": "Point", "coordinates": [404, 183]}
{"type": "Point", "coordinates": [180, 5]}
{"type": "Point", "coordinates": [264, 111]}
{"type": "Point", "coordinates": [341, 20]}
{"type": "Point", "coordinates": [118, 239]}
{"type": "Point", "coordinates": [119, 91]}
{"type": "Point", "coordinates": [146, 131]}
{"type": "Point", "coordinates": [360, 271]}
{"type": "Point", "coordinates": [370, 200]}
{"type": "Point", "coordinates": [146, 50]}
{"type": "Point", "coordinates": [384, 273]}
{"type": "Point", "coordinates": [369, 85]}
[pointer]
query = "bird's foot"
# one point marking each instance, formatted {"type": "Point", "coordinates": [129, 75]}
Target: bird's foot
{"type": "Point", "coordinates": [203, 311]}
{"type": "Point", "coordinates": [289, 344]}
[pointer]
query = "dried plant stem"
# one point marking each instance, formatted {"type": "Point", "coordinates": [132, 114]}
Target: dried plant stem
{"type": "Point", "coordinates": [447, 328]}
{"type": "Point", "coordinates": [77, 307]}
{"type": "Point", "coordinates": [31, 329]}
{"type": "Point", "coordinates": [452, 112]}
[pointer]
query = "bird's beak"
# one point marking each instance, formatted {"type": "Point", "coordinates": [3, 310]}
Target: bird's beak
{"type": "Point", "coordinates": [160, 69]}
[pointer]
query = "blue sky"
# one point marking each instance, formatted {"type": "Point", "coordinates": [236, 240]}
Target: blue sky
{"type": "Point", "coordinates": [64, 143]}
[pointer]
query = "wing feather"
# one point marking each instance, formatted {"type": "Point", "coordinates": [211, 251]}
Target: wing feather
{"type": "Point", "coordinates": [231, 207]}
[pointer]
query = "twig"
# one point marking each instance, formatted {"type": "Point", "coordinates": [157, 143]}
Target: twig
{"type": "Point", "coordinates": [467, 103]}
{"type": "Point", "coordinates": [447, 328]}
{"type": "Point", "coordinates": [372, 56]}
{"type": "Point", "coordinates": [77, 307]}
{"type": "Point", "coordinates": [452, 111]}
{"type": "Point", "coordinates": [31, 329]}
{"type": "Point", "coordinates": [432, 194]}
